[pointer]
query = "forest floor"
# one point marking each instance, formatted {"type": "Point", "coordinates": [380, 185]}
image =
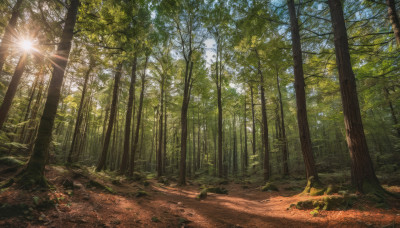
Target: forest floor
{"type": "Point", "coordinates": [82, 198]}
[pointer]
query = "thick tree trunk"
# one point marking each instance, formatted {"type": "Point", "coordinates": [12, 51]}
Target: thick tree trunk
{"type": "Point", "coordinates": [304, 131]}
{"type": "Point", "coordinates": [161, 132]}
{"type": "Point", "coordinates": [139, 116]}
{"type": "Point", "coordinates": [131, 97]}
{"type": "Point", "coordinates": [12, 89]}
{"type": "Point", "coordinates": [394, 19]}
{"type": "Point", "coordinates": [72, 152]}
{"type": "Point", "coordinates": [35, 167]}
{"type": "Point", "coordinates": [266, 169]}
{"type": "Point", "coordinates": [6, 41]}
{"type": "Point", "coordinates": [283, 131]}
{"type": "Point", "coordinates": [111, 120]}
{"type": "Point", "coordinates": [363, 174]}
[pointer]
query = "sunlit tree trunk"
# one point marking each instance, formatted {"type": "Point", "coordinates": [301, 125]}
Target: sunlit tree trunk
{"type": "Point", "coordinates": [299, 84]}
{"type": "Point", "coordinates": [363, 174]}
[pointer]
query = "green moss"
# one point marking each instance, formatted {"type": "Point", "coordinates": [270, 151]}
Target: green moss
{"type": "Point", "coordinates": [141, 193]}
{"type": "Point", "coordinates": [202, 195]}
{"type": "Point", "coordinates": [314, 187]}
{"type": "Point", "coordinates": [269, 187]}
{"type": "Point", "coordinates": [327, 203]}
{"type": "Point", "coordinates": [95, 184]}
{"type": "Point", "coordinates": [11, 161]}
{"type": "Point", "coordinates": [155, 219]}
{"type": "Point", "coordinates": [217, 190]}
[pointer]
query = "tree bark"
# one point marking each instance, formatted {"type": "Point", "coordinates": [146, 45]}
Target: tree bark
{"type": "Point", "coordinates": [139, 116]}
{"type": "Point", "coordinates": [161, 132]}
{"type": "Point", "coordinates": [111, 120]}
{"type": "Point", "coordinates": [283, 131]}
{"type": "Point", "coordinates": [72, 153]}
{"type": "Point", "coordinates": [184, 111]}
{"type": "Point", "coordinates": [6, 41]}
{"type": "Point", "coordinates": [266, 169]}
{"type": "Point", "coordinates": [363, 174]}
{"type": "Point", "coordinates": [299, 84]}
{"type": "Point", "coordinates": [131, 97]}
{"type": "Point", "coordinates": [35, 168]}
{"type": "Point", "coordinates": [394, 19]}
{"type": "Point", "coordinates": [12, 89]}
{"type": "Point", "coordinates": [253, 122]}
{"type": "Point", "coordinates": [246, 156]}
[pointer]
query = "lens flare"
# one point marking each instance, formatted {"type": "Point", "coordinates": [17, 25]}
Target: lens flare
{"type": "Point", "coordinates": [26, 45]}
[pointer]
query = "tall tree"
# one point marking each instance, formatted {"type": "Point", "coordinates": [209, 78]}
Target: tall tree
{"type": "Point", "coordinates": [12, 88]}
{"type": "Point", "coordinates": [9, 32]}
{"type": "Point", "coordinates": [362, 170]}
{"type": "Point", "coordinates": [72, 156]}
{"type": "Point", "coordinates": [34, 172]}
{"type": "Point", "coordinates": [139, 117]}
{"type": "Point", "coordinates": [394, 19]}
{"type": "Point", "coordinates": [299, 84]}
{"type": "Point", "coordinates": [113, 110]}
{"type": "Point", "coordinates": [129, 110]}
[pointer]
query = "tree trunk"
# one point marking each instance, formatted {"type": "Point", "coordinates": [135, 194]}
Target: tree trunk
{"type": "Point", "coordinates": [111, 120]}
{"type": "Point", "coordinates": [392, 112]}
{"type": "Point", "coordinates": [184, 111]}
{"type": "Point", "coordinates": [161, 132]}
{"type": "Point", "coordinates": [6, 41]}
{"type": "Point", "coordinates": [72, 152]}
{"type": "Point", "coordinates": [164, 164]}
{"type": "Point", "coordinates": [283, 131]}
{"type": "Point", "coordinates": [304, 131]}
{"type": "Point", "coordinates": [394, 19]}
{"type": "Point", "coordinates": [363, 174]}
{"type": "Point", "coordinates": [125, 155]}
{"type": "Point", "coordinates": [12, 89]}
{"type": "Point", "coordinates": [246, 156]}
{"type": "Point", "coordinates": [254, 123]}
{"type": "Point", "coordinates": [266, 169]}
{"type": "Point", "coordinates": [35, 167]}
{"type": "Point", "coordinates": [139, 116]}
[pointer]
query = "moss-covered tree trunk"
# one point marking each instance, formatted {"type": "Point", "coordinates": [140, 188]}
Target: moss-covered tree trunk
{"type": "Point", "coordinates": [363, 174]}
{"type": "Point", "coordinates": [34, 171]}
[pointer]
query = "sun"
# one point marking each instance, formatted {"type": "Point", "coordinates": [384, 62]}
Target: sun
{"type": "Point", "coordinates": [26, 45]}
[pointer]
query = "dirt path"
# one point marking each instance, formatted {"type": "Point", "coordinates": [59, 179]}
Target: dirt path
{"type": "Point", "coordinates": [172, 206]}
